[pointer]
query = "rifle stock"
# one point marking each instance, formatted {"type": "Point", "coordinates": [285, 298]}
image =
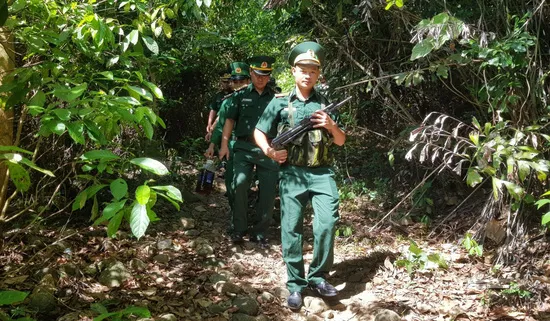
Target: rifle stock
{"type": "Point", "coordinates": [306, 124]}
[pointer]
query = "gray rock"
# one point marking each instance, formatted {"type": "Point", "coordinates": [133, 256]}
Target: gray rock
{"type": "Point", "coordinates": [192, 233]}
{"type": "Point", "coordinates": [69, 269]}
{"type": "Point", "coordinates": [204, 249]}
{"type": "Point", "coordinates": [161, 258]}
{"type": "Point", "coordinates": [314, 304]}
{"type": "Point", "coordinates": [281, 293]}
{"type": "Point", "coordinates": [266, 297]}
{"type": "Point", "coordinates": [238, 268]}
{"type": "Point", "coordinates": [90, 270]}
{"type": "Point", "coordinates": [138, 265]}
{"type": "Point", "coordinates": [168, 317]}
{"type": "Point", "coordinates": [187, 223]}
{"type": "Point", "coordinates": [218, 308]}
{"type": "Point", "coordinates": [242, 317]}
{"type": "Point", "coordinates": [262, 318]}
{"type": "Point", "coordinates": [387, 315]}
{"type": "Point", "coordinates": [225, 287]}
{"type": "Point", "coordinates": [42, 301]}
{"type": "Point", "coordinates": [216, 277]}
{"type": "Point", "coordinates": [114, 275]}
{"type": "Point", "coordinates": [164, 244]}
{"type": "Point", "coordinates": [246, 305]}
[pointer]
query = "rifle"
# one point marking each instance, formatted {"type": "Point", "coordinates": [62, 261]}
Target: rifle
{"type": "Point", "coordinates": [235, 91]}
{"type": "Point", "coordinates": [306, 124]}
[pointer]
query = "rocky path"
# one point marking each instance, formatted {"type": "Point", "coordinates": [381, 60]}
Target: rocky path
{"type": "Point", "coordinates": [186, 269]}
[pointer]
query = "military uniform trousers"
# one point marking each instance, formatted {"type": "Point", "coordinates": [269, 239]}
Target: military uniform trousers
{"type": "Point", "coordinates": [298, 186]}
{"type": "Point", "coordinates": [228, 177]}
{"type": "Point", "coordinates": [246, 155]}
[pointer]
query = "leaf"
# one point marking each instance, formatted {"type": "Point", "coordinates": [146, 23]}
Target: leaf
{"type": "Point", "coordinates": [150, 165]}
{"type": "Point", "coordinates": [133, 36]}
{"type": "Point", "coordinates": [541, 203]}
{"type": "Point", "coordinates": [422, 49]}
{"type": "Point", "coordinates": [151, 44]}
{"type": "Point", "coordinates": [119, 188]}
{"type": "Point", "coordinates": [32, 165]}
{"type": "Point", "coordinates": [473, 178]}
{"type": "Point", "coordinates": [413, 248]}
{"type": "Point", "coordinates": [140, 91]}
{"type": "Point", "coordinates": [12, 296]}
{"type": "Point", "coordinates": [79, 201]}
{"type": "Point", "coordinates": [474, 137]}
{"type": "Point", "coordinates": [95, 209]}
{"type": "Point", "coordinates": [156, 90]}
{"type": "Point", "coordinates": [6, 148]}
{"type": "Point", "coordinates": [3, 13]}
{"type": "Point", "coordinates": [143, 193]}
{"type": "Point", "coordinates": [176, 205]}
{"type": "Point", "coordinates": [139, 220]}
{"type": "Point", "coordinates": [69, 94]}
{"type": "Point", "coordinates": [101, 154]}
{"type": "Point", "coordinates": [62, 114]}
{"type": "Point", "coordinates": [109, 211]}
{"type": "Point", "coordinates": [139, 311]}
{"type": "Point", "coordinates": [147, 128]}
{"type": "Point", "coordinates": [171, 192]}
{"type": "Point", "coordinates": [76, 131]}
{"type": "Point", "coordinates": [114, 224]}
{"type": "Point", "coordinates": [545, 219]}
{"type": "Point", "coordinates": [19, 176]}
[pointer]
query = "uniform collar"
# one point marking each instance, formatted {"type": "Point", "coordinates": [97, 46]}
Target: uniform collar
{"type": "Point", "coordinates": [314, 95]}
{"type": "Point", "coordinates": [267, 90]}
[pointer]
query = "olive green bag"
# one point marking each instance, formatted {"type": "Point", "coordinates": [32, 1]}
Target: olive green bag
{"type": "Point", "coordinates": [311, 149]}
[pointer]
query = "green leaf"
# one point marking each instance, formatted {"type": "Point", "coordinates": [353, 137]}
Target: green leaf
{"type": "Point", "coordinates": [413, 248]}
{"type": "Point", "coordinates": [107, 75]}
{"type": "Point", "coordinates": [156, 90]}
{"type": "Point", "coordinates": [12, 296]}
{"type": "Point", "coordinates": [140, 91]}
{"type": "Point", "coordinates": [19, 176]}
{"type": "Point", "coordinates": [119, 188]}
{"type": "Point", "coordinates": [32, 165]}
{"type": "Point", "coordinates": [95, 209]}
{"type": "Point", "coordinates": [474, 137]}
{"type": "Point", "coordinates": [55, 126]}
{"type": "Point", "coordinates": [76, 131]}
{"type": "Point", "coordinates": [497, 183]}
{"type": "Point", "coordinates": [79, 201]}
{"type": "Point", "coordinates": [545, 219]}
{"type": "Point", "coordinates": [399, 3]}
{"type": "Point", "coordinates": [109, 211]}
{"type": "Point", "coordinates": [151, 44]}
{"type": "Point", "coordinates": [139, 311]}
{"type": "Point", "coordinates": [3, 13]}
{"type": "Point", "coordinates": [69, 94]}
{"type": "Point", "coordinates": [440, 18]}
{"type": "Point", "coordinates": [102, 154]}
{"type": "Point", "coordinates": [176, 205]}
{"type": "Point", "coordinates": [542, 202]}
{"type": "Point", "coordinates": [62, 114]}
{"type": "Point", "coordinates": [422, 49]}
{"type": "Point", "coordinates": [147, 128]}
{"type": "Point", "coordinates": [114, 224]}
{"type": "Point", "coordinates": [133, 36]}
{"type": "Point", "coordinates": [171, 192]}
{"type": "Point", "coordinates": [139, 220]}
{"type": "Point", "coordinates": [143, 193]}
{"type": "Point", "coordinates": [473, 178]}
{"type": "Point", "coordinates": [6, 148]}
{"type": "Point", "coordinates": [150, 165]}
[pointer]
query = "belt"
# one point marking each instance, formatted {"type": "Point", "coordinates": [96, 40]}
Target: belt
{"type": "Point", "coordinates": [249, 139]}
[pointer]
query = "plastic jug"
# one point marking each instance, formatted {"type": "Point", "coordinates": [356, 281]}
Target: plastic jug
{"type": "Point", "coordinates": [206, 178]}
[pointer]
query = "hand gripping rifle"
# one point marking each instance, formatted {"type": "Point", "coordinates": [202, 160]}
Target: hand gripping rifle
{"type": "Point", "coordinates": [306, 124]}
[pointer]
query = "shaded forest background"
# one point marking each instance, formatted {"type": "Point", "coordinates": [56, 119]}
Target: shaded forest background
{"type": "Point", "coordinates": [105, 101]}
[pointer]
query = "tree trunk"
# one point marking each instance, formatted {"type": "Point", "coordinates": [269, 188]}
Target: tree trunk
{"type": "Point", "coordinates": [6, 116]}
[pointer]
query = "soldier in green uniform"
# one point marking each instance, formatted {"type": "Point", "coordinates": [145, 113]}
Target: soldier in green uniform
{"type": "Point", "coordinates": [246, 108]}
{"type": "Point", "coordinates": [225, 88]}
{"type": "Point", "coordinates": [306, 173]}
{"type": "Point", "coordinates": [240, 77]}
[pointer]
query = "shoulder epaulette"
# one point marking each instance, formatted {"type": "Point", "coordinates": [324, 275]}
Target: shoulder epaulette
{"type": "Point", "coordinates": [281, 95]}
{"type": "Point", "coordinates": [234, 92]}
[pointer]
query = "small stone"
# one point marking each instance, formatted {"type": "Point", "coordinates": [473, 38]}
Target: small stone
{"type": "Point", "coordinates": [242, 317]}
{"type": "Point", "coordinates": [42, 301]}
{"type": "Point", "coordinates": [266, 297]}
{"type": "Point", "coordinates": [216, 277]}
{"type": "Point", "coordinates": [162, 258]}
{"type": "Point", "coordinates": [90, 270]}
{"type": "Point", "coordinates": [187, 223]}
{"type": "Point", "coordinates": [192, 233]}
{"type": "Point", "coordinates": [387, 315]}
{"type": "Point", "coordinates": [114, 275]}
{"type": "Point", "coordinates": [168, 317]}
{"type": "Point", "coordinates": [314, 304]}
{"type": "Point", "coordinates": [281, 293]}
{"type": "Point", "coordinates": [238, 268]}
{"type": "Point", "coordinates": [204, 249]}
{"type": "Point", "coordinates": [200, 208]}
{"type": "Point", "coordinates": [246, 305]}
{"type": "Point", "coordinates": [219, 307]}
{"type": "Point", "coordinates": [225, 287]}
{"type": "Point", "coordinates": [164, 244]}
{"type": "Point", "coordinates": [138, 265]}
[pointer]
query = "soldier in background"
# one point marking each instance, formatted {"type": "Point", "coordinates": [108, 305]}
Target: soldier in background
{"type": "Point", "coordinates": [214, 107]}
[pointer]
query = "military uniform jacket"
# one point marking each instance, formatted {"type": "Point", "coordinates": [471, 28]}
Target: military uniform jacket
{"type": "Point", "coordinates": [217, 101]}
{"type": "Point", "coordinates": [246, 108]}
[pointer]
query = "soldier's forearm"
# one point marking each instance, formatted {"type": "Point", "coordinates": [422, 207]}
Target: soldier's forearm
{"type": "Point", "coordinates": [227, 129]}
{"type": "Point", "coordinates": [261, 140]}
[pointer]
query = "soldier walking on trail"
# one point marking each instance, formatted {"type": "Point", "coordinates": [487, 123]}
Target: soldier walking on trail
{"type": "Point", "coordinates": [225, 88]}
{"type": "Point", "coordinates": [306, 173]}
{"type": "Point", "coordinates": [240, 77]}
{"type": "Point", "coordinates": [246, 108]}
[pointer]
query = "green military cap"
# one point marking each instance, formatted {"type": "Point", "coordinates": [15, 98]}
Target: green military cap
{"type": "Point", "coordinates": [307, 53]}
{"type": "Point", "coordinates": [262, 65]}
{"type": "Point", "coordinates": [239, 70]}
{"type": "Point", "coordinates": [225, 74]}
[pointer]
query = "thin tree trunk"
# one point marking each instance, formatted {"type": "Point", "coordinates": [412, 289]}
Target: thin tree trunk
{"type": "Point", "coordinates": [6, 116]}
